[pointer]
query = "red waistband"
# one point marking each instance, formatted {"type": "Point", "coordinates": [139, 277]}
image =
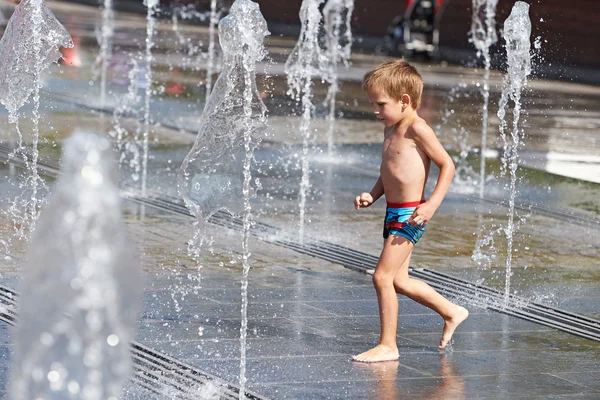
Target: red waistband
{"type": "Point", "coordinates": [406, 204]}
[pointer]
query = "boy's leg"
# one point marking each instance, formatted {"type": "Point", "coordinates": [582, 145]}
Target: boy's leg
{"type": "Point", "coordinates": [395, 251]}
{"type": "Point", "coordinates": [421, 292]}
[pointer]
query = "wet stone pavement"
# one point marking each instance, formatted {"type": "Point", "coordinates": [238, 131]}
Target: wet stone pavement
{"type": "Point", "coordinates": [307, 317]}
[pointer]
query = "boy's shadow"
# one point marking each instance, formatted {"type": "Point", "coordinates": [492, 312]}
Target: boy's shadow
{"type": "Point", "coordinates": [448, 385]}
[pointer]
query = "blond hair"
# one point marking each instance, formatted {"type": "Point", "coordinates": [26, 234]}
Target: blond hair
{"type": "Point", "coordinates": [396, 78]}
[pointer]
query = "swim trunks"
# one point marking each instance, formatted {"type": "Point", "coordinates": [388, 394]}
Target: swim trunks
{"type": "Point", "coordinates": [395, 223]}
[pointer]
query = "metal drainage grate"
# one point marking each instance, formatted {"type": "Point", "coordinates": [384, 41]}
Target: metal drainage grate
{"type": "Point", "coordinates": [152, 370]}
{"type": "Point", "coordinates": [558, 213]}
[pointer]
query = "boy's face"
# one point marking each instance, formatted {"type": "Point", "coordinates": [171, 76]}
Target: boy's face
{"type": "Point", "coordinates": [387, 109]}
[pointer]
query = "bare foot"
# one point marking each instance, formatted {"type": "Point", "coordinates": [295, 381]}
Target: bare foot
{"type": "Point", "coordinates": [378, 354]}
{"type": "Point", "coordinates": [451, 324]}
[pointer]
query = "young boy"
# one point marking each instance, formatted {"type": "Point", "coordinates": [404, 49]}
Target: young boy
{"type": "Point", "coordinates": [394, 88]}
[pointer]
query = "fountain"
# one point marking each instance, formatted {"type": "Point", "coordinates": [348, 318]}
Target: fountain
{"type": "Point", "coordinates": [30, 44]}
{"type": "Point", "coordinates": [216, 173]}
{"type": "Point", "coordinates": [305, 62]}
{"type": "Point", "coordinates": [517, 31]}
{"type": "Point", "coordinates": [483, 36]}
{"type": "Point", "coordinates": [77, 345]}
{"type": "Point", "coordinates": [105, 40]}
{"type": "Point", "coordinates": [210, 66]}
{"type": "Point", "coordinates": [211, 176]}
{"type": "Point", "coordinates": [126, 142]}
{"type": "Point", "coordinates": [151, 6]}
{"type": "Point", "coordinates": [297, 320]}
{"type": "Point", "coordinates": [191, 49]}
{"type": "Point", "coordinates": [337, 18]}
{"type": "Point", "coordinates": [456, 123]}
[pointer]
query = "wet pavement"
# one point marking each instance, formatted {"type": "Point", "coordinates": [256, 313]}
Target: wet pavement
{"type": "Point", "coordinates": [307, 316]}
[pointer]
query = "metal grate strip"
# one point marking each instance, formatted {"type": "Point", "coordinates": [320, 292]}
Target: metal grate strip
{"type": "Point", "coordinates": [152, 370]}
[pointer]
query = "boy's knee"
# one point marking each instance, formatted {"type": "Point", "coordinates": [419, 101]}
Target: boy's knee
{"type": "Point", "coordinates": [381, 279]}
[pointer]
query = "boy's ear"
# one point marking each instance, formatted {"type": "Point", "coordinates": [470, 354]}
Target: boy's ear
{"type": "Point", "coordinates": [405, 99]}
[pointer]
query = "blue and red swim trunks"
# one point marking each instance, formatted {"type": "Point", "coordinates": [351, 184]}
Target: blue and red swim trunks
{"type": "Point", "coordinates": [395, 223]}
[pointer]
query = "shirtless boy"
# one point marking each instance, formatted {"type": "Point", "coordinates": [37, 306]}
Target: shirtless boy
{"type": "Point", "coordinates": [394, 88]}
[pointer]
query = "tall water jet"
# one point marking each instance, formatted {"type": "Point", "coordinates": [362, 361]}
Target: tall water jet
{"type": "Point", "coordinates": [105, 40]}
{"type": "Point", "coordinates": [483, 36]}
{"type": "Point", "coordinates": [458, 130]}
{"type": "Point", "coordinates": [305, 62]}
{"type": "Point", "coordinates": [81, 288]}
{"type": "Point", "coordinates": [191, 49]}
{"type": "Point", "coordinates": [338, 48]}
{"type": "Point", "coordinates": [126, 141]}
{"type": "Point", "coordinates": [517, 32]}
{"type": "Point", "coordinates": [151, 8]}
{"type": "Point", "coordinates": [210, 66]}
{"type": "Point", "coordinates": [216, 173]}
{"type": "Point", "coordinates": [31, 43]}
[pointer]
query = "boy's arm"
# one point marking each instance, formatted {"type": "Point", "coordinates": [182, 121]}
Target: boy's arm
{"type": "Point", "coordinates": [366, 199]}
{"type": "Point", "coordinates": [377, 190]}
{"type": "Point", "coordinates": [427, 141]}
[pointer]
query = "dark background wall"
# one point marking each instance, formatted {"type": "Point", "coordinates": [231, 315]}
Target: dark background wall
{"type": "Point", "coordinates": [570, 29]}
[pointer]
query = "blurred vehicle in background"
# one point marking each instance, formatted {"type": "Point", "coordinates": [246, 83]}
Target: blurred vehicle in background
{"type": "Point", "coordinates": [416, 31]}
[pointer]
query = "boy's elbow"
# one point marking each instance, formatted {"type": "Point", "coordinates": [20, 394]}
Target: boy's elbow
{"type": "Point", "coordinates": [450, 167]}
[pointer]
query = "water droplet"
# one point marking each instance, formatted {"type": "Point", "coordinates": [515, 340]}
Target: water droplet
{"type": "Point", "coordinates": [53, 376]}
{"type": "Point", "coordinates": [73, 387]}
{"type": "Point", "coordinates": [112, 340]}
{"type": "Point", "coordinates": [46, 339]}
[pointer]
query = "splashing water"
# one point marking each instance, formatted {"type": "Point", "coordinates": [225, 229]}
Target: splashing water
{"type": "Point", "coordinates": [152, 6]}
{"type": "Point", "coordinates": [485, 251]}
{"type": "Point", "coordinates": [210, 177]}
{"type": "Point", "coordinates": [483, 36]}
{"type": "Point", "coordinates": [517, 32]}
{"type": "Point", "coordinates": [182, 12]}
{"type": "Point", "coordinates": [216, 172]}
{"type": "Point", "coordinates": [127, 142]}
{"type": "Point", "coordinates": [30, 44]}
{"type": "Point", "coordinates": [337, 18]}
{"type": "Point", "coordinates": [105, 40]}
{"type": "Point", "coordinates": [305, 62]}
{"type": "Point", "coordinates": [453, 122]}
{"type": "Point", "coordinates": [210, 66]}
{"type": "Point", "coordinates": [191, 49]}
{"type": "Point", "coordinates": [81, 288]}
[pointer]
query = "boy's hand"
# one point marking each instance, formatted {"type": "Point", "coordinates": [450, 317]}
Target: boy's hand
{"type": "Point", "coordinates": [364, 200]}
{"type": "Point", "coordinates": [422, 214]}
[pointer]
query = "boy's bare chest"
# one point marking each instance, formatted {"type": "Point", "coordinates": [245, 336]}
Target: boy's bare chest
{"type": "Point", "coordinates": [398, 147]}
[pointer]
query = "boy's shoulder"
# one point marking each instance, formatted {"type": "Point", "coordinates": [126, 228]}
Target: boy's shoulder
{"type": "Point", "coordinates": [420, 128]}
